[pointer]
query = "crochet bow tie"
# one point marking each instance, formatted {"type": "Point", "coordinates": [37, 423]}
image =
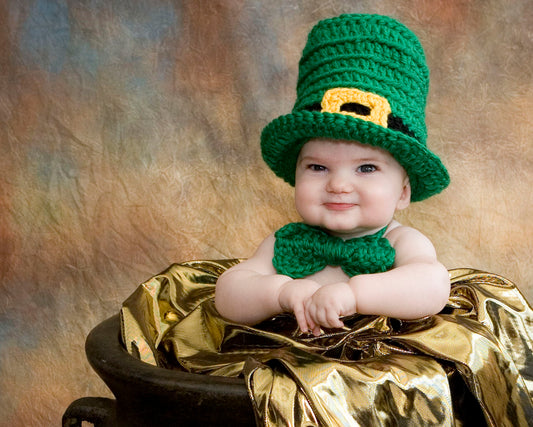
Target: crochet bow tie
{"type": "Point", "coordinates": [301, 250]}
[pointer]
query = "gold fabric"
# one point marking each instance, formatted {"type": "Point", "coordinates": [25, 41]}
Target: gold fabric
{"type": "Point", "coordinates": [472, 364]}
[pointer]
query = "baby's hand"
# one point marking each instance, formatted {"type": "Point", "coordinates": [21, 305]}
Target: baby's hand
{"type": "Point", "coordinates": [292, 298]}
{"type": "Point", "coordinates": [328, 304]}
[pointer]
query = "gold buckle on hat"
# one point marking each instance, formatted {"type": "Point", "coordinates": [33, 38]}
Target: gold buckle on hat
{"type": "Point", "coordinates": [335, 99]}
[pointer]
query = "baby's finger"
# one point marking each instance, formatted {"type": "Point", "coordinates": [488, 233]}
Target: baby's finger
{"type": "Point", "coordinates": [317, 331]}
{"type": "Point", "coordinates": [301, 320]}
{"type": "Point", "coordinates": [320, 317]}
{"type": "Point", "coordinates": [310, 321]}
{"type": "Point", "coordinates": [333, 321]}
{"type": "Point", "coordinates": [309, 309]}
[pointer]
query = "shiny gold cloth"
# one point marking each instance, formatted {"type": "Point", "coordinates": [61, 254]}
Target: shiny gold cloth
{"type": "Point", "coordinates": [472, 364]}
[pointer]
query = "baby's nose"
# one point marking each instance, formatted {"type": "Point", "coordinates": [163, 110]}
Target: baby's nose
{"type": "Point", "coordinates": [339, 183]}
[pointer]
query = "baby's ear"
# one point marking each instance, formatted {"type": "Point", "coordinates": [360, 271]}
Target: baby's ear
{"type": "Point", "coordinates": [405, 197]}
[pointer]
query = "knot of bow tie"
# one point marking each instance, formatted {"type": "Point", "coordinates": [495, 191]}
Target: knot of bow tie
{"type": "Point", "coordinates": [301, 250]}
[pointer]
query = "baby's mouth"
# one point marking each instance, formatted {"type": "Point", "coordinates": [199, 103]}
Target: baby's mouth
{"type": "Point", "coordinates": [334, 206]}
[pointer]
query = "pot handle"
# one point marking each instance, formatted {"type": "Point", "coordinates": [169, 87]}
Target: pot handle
{"type": "Point", "coordinates": [100, 411]}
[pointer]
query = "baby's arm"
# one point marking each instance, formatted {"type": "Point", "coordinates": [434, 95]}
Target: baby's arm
{"type": "Point", "coordinates": [417, 286]}
{"type": "Point", "coordinates": [252, 291]}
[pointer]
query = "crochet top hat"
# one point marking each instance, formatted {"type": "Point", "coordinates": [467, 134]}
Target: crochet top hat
{"type": "Point", "coordinates": [362, 78]}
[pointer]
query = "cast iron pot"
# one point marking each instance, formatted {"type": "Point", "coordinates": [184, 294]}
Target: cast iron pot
{"type": "Point", "coordinates": [147, 395]}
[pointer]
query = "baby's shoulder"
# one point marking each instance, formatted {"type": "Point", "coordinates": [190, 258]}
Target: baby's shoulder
{"type": "Point", "coordinates": [398, 234]}
{"type": "Point", "coordinates": [261, 260]}
{"type": "Point", "coordinates": [266, 246]}
{"type": "Point", "coordinates": [409, 243]}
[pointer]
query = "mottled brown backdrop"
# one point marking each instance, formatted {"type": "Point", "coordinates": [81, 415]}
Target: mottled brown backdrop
{"type": "Point", "coordinates": [129, 139]}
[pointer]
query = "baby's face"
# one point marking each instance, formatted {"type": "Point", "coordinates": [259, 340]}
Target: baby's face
{"type": "Point", "coordinates": [349, 189]}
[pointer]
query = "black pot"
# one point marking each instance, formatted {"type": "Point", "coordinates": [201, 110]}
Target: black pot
{"type": "Point", "coordinates": [147, 395]}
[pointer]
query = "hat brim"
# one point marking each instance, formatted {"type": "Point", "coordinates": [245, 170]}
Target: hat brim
{"type": "Point", "coordinates": [283, 138]}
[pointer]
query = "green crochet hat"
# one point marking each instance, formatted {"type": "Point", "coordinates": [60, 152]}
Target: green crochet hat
{"type": "Point", "coordinates": [361, 78]}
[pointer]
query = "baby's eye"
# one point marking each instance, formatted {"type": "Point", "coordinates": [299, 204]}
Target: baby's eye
{"type": "Point", "coordinates": [317, 168]}
{"type": "Point", "coordinates": [366, 168]}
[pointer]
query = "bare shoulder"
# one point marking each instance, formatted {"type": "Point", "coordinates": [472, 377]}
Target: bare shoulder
{"type": "Point", "coordinates": [261, 261]}
{"type": "Point", "coordinates": [410, 244]}
{"type": "Point", "coordinates": [398, 233]}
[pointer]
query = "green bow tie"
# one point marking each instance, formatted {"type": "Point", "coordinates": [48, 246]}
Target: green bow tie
{"type": "Point", "coordinates": [301, 250]}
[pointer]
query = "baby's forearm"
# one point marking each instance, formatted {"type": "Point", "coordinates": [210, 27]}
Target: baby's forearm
{"type": "Point", "coordinates": [406, 292]}
{"type": "Point", "coordinates": [247, 297]}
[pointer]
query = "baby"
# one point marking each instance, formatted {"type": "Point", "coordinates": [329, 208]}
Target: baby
{"type": "Point", "coordinates": [354, 148]}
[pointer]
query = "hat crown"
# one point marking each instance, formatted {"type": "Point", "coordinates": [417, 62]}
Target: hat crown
{"type": "Point", "coordinates": [372, 53]}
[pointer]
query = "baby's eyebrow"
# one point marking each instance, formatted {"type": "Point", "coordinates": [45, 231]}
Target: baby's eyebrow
{"type": "Point", "coordinates": [370, 160]}
{"type": "Point", "coordinates": [309, 158]}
